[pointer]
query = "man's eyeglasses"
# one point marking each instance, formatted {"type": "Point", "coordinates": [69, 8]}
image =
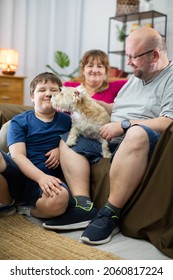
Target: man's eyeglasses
{"type": "Point", "coordinates": [139, 55]}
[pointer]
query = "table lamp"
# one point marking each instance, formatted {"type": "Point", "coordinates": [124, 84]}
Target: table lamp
{"type": "Point", "coordinates": [8, 61]}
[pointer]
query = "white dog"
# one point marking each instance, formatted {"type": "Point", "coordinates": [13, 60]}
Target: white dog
{"type": "Point", "coordinates": [87, 115]}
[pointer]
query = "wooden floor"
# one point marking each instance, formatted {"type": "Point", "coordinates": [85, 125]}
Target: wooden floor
{"type": "Point", "coordinates": [124, 247]}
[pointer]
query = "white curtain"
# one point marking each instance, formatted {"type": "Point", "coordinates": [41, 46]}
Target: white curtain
{"type": "Point", "coordinates": [37, 29]}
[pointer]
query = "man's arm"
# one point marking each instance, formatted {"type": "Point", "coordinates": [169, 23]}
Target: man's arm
{"type": "Point", "coordinates": [114, 129]}
{"type": "Point", "coordinates": [158, 124]}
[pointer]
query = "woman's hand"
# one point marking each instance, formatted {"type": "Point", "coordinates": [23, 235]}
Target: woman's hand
{"type": "Point", "coordinates": [53, 158]}
{"type": "Point", "coordinates": [108, 106]}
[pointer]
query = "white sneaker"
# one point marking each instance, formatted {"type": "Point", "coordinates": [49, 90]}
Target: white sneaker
{"type": "Point", "coordinates": [24, 210]}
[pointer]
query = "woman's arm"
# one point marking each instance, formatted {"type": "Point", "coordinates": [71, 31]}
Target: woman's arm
{"type": "Point", "coordinates": [108, 106]}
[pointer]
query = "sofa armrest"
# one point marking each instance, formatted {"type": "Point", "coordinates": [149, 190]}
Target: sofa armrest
{"type": "Point", "coordinates": [8, 111]}
{"type": "Point", "coordinates": [3, 137]}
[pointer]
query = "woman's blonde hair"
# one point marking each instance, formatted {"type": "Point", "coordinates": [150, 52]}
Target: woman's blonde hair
{"type": "Point", "coordinates": [102, 57]}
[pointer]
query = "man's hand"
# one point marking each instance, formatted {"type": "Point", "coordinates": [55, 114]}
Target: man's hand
{"type": "Point", "coordinates": [111, 130]}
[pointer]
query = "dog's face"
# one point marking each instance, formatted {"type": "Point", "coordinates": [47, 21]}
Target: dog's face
{"type": "Point", "coordinates": [67, 98]}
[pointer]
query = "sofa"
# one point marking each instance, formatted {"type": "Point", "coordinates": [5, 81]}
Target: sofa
{"type": "Point", "coordinates": [149, 213]}
{"type": "Point", "coordinates": [7, 111]}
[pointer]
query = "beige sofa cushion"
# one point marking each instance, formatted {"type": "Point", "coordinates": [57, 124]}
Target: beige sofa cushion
{"type": "Point", "coordinates": [3, 137]}
{"type": "Point", "coordinates": [7, 112]}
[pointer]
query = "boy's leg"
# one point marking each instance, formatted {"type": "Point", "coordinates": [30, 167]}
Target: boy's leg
{"type": "Point", "coordinates": [7, 206]}
{"type": "Point", "coordinates": [39, 205]}
{"type": "Point", "coordinates": [49, 207]}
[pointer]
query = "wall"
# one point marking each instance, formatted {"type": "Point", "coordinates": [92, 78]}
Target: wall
{"type": "Point", "coordinates": [39, 28]}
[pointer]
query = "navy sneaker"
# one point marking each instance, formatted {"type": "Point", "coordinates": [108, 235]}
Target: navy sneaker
{"type": "Point", "coordinates": [75, 217]}
{"type": "Point", "coordinates": [7, 209]}
{"type": "Point", "coordinates": [102, 227]}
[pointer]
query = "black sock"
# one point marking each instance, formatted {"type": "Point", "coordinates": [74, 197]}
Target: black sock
{"type": "Point", "coordinates": [114, 208]}
{"type": "Point", "coordinates": [83, 201]}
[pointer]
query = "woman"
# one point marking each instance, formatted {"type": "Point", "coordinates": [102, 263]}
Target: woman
{"type": "Point", "coordinates": [94, 74]}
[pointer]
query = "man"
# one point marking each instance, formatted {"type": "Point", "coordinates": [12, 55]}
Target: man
{"type": "Point", "coordinates": [142, 110]}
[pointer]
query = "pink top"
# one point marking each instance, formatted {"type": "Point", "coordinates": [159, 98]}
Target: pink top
{"type": "Point", "coordinates": [108, 94]}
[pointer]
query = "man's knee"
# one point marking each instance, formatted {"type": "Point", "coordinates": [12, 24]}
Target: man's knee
{"type": "Point", "coordinates": [136, 138]}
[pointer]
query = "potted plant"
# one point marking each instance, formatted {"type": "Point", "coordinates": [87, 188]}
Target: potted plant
{"type": "Point", "coordinates": [63, 61]}
{"type": "Point", "coordinates": [121, 32]}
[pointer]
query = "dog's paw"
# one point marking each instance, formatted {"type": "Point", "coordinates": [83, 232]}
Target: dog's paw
{"type": "Point", "coordinates": [106, 154]}
{"type": "Point", "coordinates": [105, 149]}
{"type": "Point", "coordinates": [70, 142]}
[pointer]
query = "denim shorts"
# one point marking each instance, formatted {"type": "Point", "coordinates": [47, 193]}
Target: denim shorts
{"type": "Point", "coordinates": [92, 149]}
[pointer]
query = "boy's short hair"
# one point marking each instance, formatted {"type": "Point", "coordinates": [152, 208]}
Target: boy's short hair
{"type": "Point", "coordinates": [44, 77]}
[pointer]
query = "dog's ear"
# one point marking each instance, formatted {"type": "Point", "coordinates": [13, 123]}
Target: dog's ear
{"type": "Point", "coordinates": [76, 96]}
{"type": "Point", "coordinates": [62, 90]}
{"type": "Point", "coordinates": [80, 92]}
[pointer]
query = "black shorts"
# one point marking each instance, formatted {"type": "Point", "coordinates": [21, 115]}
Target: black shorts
{"type": "Point", "coordinates": [14, 177]}
{"type": "Point", "coordinates": [21, 188]}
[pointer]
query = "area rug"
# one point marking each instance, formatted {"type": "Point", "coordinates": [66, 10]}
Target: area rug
{"type": "Point", "coordinates": [22, 240]}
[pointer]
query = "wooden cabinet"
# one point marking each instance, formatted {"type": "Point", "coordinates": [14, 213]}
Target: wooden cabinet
{"type": "Point", "coordinates": [11, 89]}
{"type": "Point", "coordinates": [154, 19]}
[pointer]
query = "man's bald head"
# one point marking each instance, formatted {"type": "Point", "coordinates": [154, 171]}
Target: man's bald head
{"type": "Point", "coordinates": [146, 38]}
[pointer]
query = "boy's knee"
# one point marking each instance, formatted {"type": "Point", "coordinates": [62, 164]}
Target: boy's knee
{"type": "Point", "coordinates": [57, 204]}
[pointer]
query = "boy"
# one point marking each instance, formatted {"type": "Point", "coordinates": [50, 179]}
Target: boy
{"type": "Point", "coordinates": [31, 171]}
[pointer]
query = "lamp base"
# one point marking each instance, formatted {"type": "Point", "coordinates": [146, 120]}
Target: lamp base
{"type": "Point", "coordinates": [5, 72]}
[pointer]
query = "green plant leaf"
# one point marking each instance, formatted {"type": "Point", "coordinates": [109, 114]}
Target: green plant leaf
{"type": "Point", "coordinates": [62, 59]}
{"type": "Point", "coordinates": [121, 33]}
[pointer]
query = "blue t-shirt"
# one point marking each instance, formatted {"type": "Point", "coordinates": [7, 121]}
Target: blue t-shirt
{"type": "Point", "coordinates": [39, 136]}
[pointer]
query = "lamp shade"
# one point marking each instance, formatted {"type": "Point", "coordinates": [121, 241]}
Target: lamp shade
{"type": "Point", "coordinates": [8, 61]}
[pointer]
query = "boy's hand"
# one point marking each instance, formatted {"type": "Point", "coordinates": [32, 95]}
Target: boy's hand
{"type": "Point", "coordinates": [50, 185]}
{"type": "Point", "coordinates": [53, 158]}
